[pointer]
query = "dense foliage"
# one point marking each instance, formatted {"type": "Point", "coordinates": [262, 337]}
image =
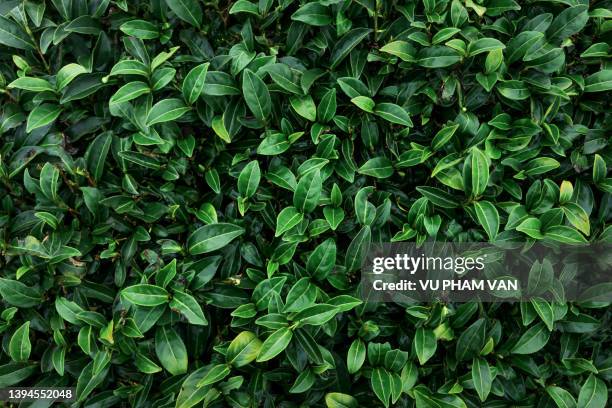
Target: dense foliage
{"type": "Point", "coordinates": [188, 189]}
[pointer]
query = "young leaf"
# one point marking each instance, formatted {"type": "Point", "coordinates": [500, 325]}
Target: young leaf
{"type": "Point", "coordinates": [212, 237]}
{"type": "Point", "coordinates": [275, 344]}
{"type": "Point", "coordinates": [19, 346]}
{"type": "Point", "coordinates": [171, 350]}
{"type": "Point", "coordinates": [256, 95]}
{"type": "Point", "coordinates": [193, 84]}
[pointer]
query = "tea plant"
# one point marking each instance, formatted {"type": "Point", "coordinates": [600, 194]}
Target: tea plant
{"type": "Point", "coordinates": [188, 189]}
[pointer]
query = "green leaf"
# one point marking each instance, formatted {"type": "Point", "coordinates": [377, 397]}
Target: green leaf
{"type": "Point", "coordinates": [544, 310]}
{"type": "Point", "coordinates": [443, 136]}
{"type": "Point", "coordinates": [256, 95]}
{"type": "Point", "coordinates": [244, 6]}
{"type": "Point", "coordinates": [187, 10]}
{"type": "Point", "coordinates": [288, 218]}
{"type": "Point", "coordinates": [304, 106]}
{"type": "Point", "coordinates": [471, 341]}
{"type": "Point", "coordinates": [18, 294]}
{"type": "Point", "coordinates": [19, 346]}
{"type": "Point", "coordinates": [484, 45]}
{"type": "Point", "coordinates": [425, 344]}
{"type": "Point", "coordinates": [249, 178]}
{"type": "Point", "coordinates": [381, 384]}
{"type": "Point", "coordinates": [140, 29]}
{"type": "Point", "coordinates": [327, 106]}
{"type": "Point", "coordinates": [49, 179]}
{"type": "Point", "coordinates": [43, 115]}
{"type": "Point", "coordinates": [188, 307]}
{"type": "Point", "coordinates": [193, 84]}
{"type": "Point", "coordinates": [562, 397]}
{"type": "Point", "coordinates": [218, 125]}
{"type": "Point", "coordinates": [316, 315]}
{"type": "Point", "coordinates": [212, 237]}
{"type": "Point", "coordinates": [600, 170]}
{"type": "Point", "coordinates": [273, 144]}
{"type": "Point", "coordinates": [166, 110]}
{"type": "Point", "coordinates": [599, 82]}
{"type": "Point", "coordinates": [532, 340]}
{"type": "Point", "coordinates": [393, 113]}
{"type": "Point", "coordinates": [444, 34]}
{"type": "Point", "coordinates": [345, 45]}
{"type": "Point", "coordinates": [577, 217]}
{"type": "Point", "coordinates": [488, 217]}
{"type": "Point", "coordinates": [67, 74]}
{"type": "Point", "coordinates": [566, 23]}
{"type": "Point", "coordinates": [593, 393]}
{"type": "Point", "coordinates": [275, 344]}
{"type": "Point", "coordinates": [300, 296]}
{"type": "Point", "coordinates": [322, 260]}
{"type": "Point", "coordinates": [541, 165]}
{"type": "Point", "coordinates": [514, 90]}
{"type": "Point", "coordinates": [314, 14]}
{"type": "Point", "coordinates": [308, 191]}
{"type": "Point", "coordinates": [243, 349]}
{"type": "Point", "coordinates": [146, 295]}
{"type": "Point", "coordinates": [519, 45]}
{"type": "Point", "coordinates": [339, 400]}
{"type": "Point", "coordinates": [32, 84]}
{"type": "Point", "coordinates": [402, 49]}
{"type": "Point", "coordinates": [129, 91]}
{"type": "Point", "coordinates": [141, 159]}
{"type": "Point", "coordinates": [129, 67]}
{"type": "Point", "coordinates": [438, 56]}
{"type": "Point", "coordinates": [567, 235]}
{"type": "Point", "coordinates": [12, 35]}
{"type": "Point", "coordinates": [438, 197]}
{"type": "Point", "coordinates": [170, 350]}
{"type": "Point", "coordinates": [334, 216]}
{"type": "Point", "coordinates": [90, 379]}
{"type": "Point", "coordinates": [481, 377]}
{"type": "Point", "coordinates": [356, 356]}
{"type": "Point", "coordinates": [532, 227]}
{"type": "Point", "coordinates": [214, 374]}
{"type": "Point", "coordinates": [379, 167]}
{"type": "Point", "coordinates": [478, 177]}
{"type": "Point", "coordinates": [364, 103]}
{"type": "Point", "coordinates": [357, 249]}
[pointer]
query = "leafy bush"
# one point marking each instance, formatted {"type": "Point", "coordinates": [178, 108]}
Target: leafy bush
{"type": "Point", "coordinates": [188, 190]}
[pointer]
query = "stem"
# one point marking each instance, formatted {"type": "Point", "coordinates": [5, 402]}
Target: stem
{"type": "Point", "coordinates": [40, 54]}
{"type": "Point", "coordinates": [10, 95]}
{"type": "Point", "coordinates": [376, 23]}
{"type": "Point", "coordinates": [42, 57]}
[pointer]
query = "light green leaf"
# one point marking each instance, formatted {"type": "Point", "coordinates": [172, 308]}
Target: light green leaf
{"type": "Point", "coordinates": [488, 217]}
{"type": "Point", "coordinates": [19, 346]}
{"type": "Point", "coordinates": [275, 344]}
{"type": "Point", "coordinates": [212, 237]}
{"type": "Point", "coordinates": [393, 113]}
{"type": "Point", "coordinates": [249, 178]}
{"type": "Point", "coordinates": [481, 377]}
{"type": "Point", "coordinates": [146, 295]}
{"type": "Point", "coordinates": [187, 10]}
{"type": "Point", "coordinates": [43, 115]}
{"type": "Point", "coordinates": [193, 84]}
{"type": "Point", "coordinates": [256, 95]}
{"type": "Point", "coordinates": [425, 344]}
{"type": "Point", "coordinates": [170, 350]}
{"type": "Point", "coordinates": [166, 110]}
{"type": "Point", "coordinates": [533, 340]}
{"type": "Point", "coordinates": [188, 307]}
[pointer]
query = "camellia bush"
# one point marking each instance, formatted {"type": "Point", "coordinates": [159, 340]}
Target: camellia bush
{"type": "Point", "coordinates": [188, 189]}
